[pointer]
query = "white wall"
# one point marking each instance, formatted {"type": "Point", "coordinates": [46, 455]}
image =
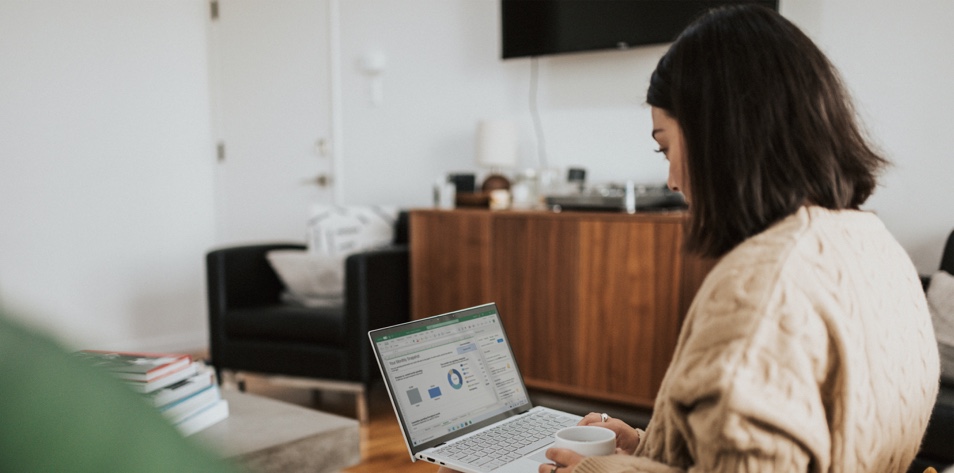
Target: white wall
{"type": "Point", "coordinates": [444, 75]}
{"type": "Point", "coordinates": [105, 170]}
{"type": "Point", "coordinates": [898, 60]}
{"type": "Point", "coordinates": [106, 163]}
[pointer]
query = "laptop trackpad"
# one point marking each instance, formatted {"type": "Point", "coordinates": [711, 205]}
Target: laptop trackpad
{"type": "Point", "coordinates": [540, 456]}
{"type": "Point", "coordinates": [521, 465]}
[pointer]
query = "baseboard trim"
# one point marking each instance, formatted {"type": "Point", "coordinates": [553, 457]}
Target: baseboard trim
{"type": "Point", "coordinates": [191, 342]}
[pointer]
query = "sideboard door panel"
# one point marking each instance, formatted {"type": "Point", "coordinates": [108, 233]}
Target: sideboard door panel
{"type": "Point", "coordinates": [534, 262]}
{"type": "Point", "coordinates": [626, 291]}
{"type": "Point", "coordinates": [592, 302]}
{"type": "Point", "coordinates": [450, 261]}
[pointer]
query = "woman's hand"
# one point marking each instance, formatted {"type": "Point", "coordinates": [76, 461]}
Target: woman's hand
{"type": "Point", "coordinates": [566, 461]}
{"type": "Point", "coordinates": [626, 437]}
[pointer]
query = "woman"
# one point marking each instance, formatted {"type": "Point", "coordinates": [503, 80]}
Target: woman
{"type": "Point", "coordinates": [809, 346]}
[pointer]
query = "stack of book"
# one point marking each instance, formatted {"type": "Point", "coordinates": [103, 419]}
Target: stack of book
{"type": "Point", "coordinates": [182, 389]}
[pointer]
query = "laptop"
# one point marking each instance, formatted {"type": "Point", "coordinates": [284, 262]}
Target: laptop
{"type": "Point", "coordinates": [458, 394]}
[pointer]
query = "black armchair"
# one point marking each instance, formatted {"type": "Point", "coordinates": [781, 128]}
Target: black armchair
{"type": "Point", "coordinates": [252, 330]}
{"type": "Point", "coordinates": [937, 447]}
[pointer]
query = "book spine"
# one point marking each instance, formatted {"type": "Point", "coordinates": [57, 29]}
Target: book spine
{"type": "Point", "coordinates": [205, 418]}
{"type": "Point", "coordinates": [186, 407]}
{"type": "Point", "coordinates": [182, 389]}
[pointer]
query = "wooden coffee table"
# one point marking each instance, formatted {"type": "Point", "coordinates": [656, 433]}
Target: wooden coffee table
{"type": "Point", "coordinates": [268, 435]}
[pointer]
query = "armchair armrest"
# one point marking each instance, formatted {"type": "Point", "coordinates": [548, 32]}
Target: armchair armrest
{"type": "Point", "coordinates": [377, 294]}
{"type": "Point", "coordinates": [238, 276]}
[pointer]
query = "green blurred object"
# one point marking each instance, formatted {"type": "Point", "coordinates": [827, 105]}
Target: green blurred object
{"type": "Point", "coordinates": [57, 414]}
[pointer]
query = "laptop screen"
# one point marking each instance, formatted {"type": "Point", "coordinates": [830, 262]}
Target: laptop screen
{"type": "Point", "coordinates": [449, 374]}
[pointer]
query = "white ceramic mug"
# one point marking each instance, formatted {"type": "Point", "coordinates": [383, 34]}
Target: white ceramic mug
{"type": "Point", "coordinates": [587, 440]}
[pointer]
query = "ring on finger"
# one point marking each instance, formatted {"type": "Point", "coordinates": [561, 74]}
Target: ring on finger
{"type": "Point", "coordinates": [554, 469]}
{"type": "Point", "coordinates": [603, 417]}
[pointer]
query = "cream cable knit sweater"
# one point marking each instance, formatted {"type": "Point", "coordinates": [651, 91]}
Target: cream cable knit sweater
{"type": "Point", "coordinates": [809, 347]}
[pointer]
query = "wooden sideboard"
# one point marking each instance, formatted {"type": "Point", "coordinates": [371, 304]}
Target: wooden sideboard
{"type": "Point", "coordinates": [592, 302]}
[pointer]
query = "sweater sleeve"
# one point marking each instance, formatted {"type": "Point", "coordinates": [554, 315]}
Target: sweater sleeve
{"type": "Point", "coordinates": [746, 393]}
{"type": "Point", "coordinates": [623, 464]}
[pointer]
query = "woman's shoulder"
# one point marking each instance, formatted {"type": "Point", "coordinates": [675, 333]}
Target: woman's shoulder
{"type": "Point", "coordinates": [808, 250]}
{"type": "Point", "coordinates": [752, 268]}
{"type": "Point", "coordinates": [757, 299]}
{"type": "Point", "coordinates": [805, 240]}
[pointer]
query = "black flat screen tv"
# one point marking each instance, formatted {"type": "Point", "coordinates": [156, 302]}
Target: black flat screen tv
{"type": "Point", "coordinates": [545, 27]}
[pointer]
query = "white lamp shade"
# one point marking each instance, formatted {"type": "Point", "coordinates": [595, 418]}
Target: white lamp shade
{"type": "Point", "coordinates": [497, 143]}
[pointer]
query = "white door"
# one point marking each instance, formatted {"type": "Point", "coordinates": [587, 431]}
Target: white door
{"type": "Point", "coordinates": [270, 87]}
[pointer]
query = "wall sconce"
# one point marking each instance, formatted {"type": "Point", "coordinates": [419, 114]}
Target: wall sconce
{"type": "Point", "coordinates": [373, 64]}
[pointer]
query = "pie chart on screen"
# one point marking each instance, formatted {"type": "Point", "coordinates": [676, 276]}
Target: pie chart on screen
{"type": "Point", "coordinates": [455, 379]}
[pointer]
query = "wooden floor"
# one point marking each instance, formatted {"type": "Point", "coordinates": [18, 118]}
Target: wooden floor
{"type": "Point", "coordinates": [382, 445]}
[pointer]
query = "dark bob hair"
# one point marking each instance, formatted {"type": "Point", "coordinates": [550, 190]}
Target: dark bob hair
{"type": "Point", "coordinates": [767, 123]}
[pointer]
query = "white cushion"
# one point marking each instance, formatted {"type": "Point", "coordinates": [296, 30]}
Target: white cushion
{"type": "Point", "coordinates": [940, 296]}
{"type": "Point", "coordinates": [310, 279]}
{"type": "Point", "coordinates": [315, 277]}
{"type": "Point", "coordinates": [336, 230]}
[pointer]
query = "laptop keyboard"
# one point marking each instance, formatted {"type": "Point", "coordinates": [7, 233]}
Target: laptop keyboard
{"type": "Point", "coordinates": [508, 442]}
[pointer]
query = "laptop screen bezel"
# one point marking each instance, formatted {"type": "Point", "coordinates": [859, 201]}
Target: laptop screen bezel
{"type": "Point", "coordinates": [434, 320]}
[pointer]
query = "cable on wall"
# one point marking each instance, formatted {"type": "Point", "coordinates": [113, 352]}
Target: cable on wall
{"type": "Point", "coordinates": [535, 113]}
